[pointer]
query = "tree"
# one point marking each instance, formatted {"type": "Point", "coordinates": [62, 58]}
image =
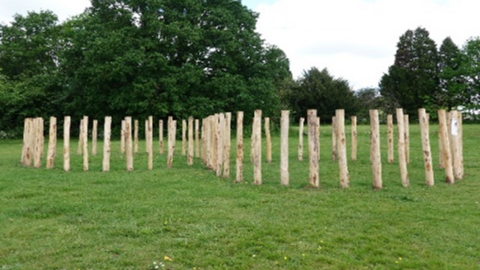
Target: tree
{"type": "Point", "coordinates": [321, 91]}
{"type": "Point", "coordinates": [367, 99]}
{"type": "Point", "coordinates": [470, 72]}
{"type": "Point", "coordinates": [452, 84]}
{"type": "Point", "coordinates": [413, 78]}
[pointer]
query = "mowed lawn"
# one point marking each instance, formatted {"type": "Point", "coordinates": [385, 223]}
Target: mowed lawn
{"type": "Point", "coordinates": [187, 218]}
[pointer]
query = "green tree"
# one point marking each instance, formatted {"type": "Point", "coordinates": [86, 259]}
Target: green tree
{"type": "Point", "coordinates": [412, 80]}
{"type": "Point", "coordinates": [452, 84]}
{"type": "Point", "coordinates": [367, 99]}
{"type": "Point", "coordinates": [470, 72]}
{"type": "Point", "coordinates": [321, 91]}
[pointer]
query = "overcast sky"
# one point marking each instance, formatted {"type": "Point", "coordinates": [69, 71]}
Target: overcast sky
{"type": "Point", "coordinates": [354, 39]}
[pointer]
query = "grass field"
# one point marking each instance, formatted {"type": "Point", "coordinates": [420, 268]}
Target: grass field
{"type": "Point", "coordinates": [186, 218]}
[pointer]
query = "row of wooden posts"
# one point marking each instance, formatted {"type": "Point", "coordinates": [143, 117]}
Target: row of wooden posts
{"type": "Point", "coordinates": [215, 144]}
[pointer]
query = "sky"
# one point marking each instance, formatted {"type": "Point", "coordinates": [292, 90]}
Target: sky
{"type": "Point", "coordinates": [354, 39]}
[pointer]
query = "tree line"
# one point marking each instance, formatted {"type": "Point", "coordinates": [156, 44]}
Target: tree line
{"type": "Point", "coordinates": [195, 58]}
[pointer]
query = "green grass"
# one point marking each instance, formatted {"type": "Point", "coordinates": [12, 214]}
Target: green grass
{"type": "Point", "coordinates": [50, 219]}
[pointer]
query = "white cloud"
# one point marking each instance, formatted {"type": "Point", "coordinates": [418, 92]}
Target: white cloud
{"type": "Point", "coordinates": [356, 39]}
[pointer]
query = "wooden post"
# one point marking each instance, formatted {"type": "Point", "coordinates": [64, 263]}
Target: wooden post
{"type": "Point", "coordinates": [239, 161]}
{"type": "Point", "coordinates": [284, 126]}
{"type": "Point", "coordinates": [390, 138]}
{"type": "Point", "coordinates": [300, 138]}
{"type": "Point", "coordinates": [80, 139]}
{"type": "Point", "coordinates": [29, 142]}
{"type": "Point", "coordinates": [107, 134]}
{"type": "Point", "coordinates": [220, 134]}
{"type": "Point", "coordinates": [94, 137]}
{"type": "Point", "coordinates": [440, 145]}
{"type": "Point", "coordinates": [313, 149]}
{"type": "Point", "coordinates": [66, 143]}
{"type": "Point", "coordinates": [454, 144]}
{"type": "Point", "coordinates": [122, 138]}
{"type": "Point", "coordinates": [190, 151]}
{"type": "Point", "coordinates": [334, 139]}
{"type": "Point", "coordinates": [146, 136]}
{"type": "Point", "coordinates": [135, 136]}
{"type": "Point", "coordinates": [207, 145]}
{"type": "Point", "coordinates": [25, 140]}
{"type": "Point", "coordinates": [184, 137]}
{"type": "Point", "coordinates": [160, 137]}
{"type": "Point", "coordinates": [37, 157]}
{"type": "Point", "coordinates": [402, 161]}
{"type": "Point", "coordinates": [375, 156]}
{"type": "Point", "coordinates": [150, 142]}
{"type": "Point", "coordinates": [227, 144]}
{"type": "Point", "coordinates": [85, 143]}
{"type": "Point", "coordinates": [268, 138]}
{"type": "Point", "coordinates": [197, 138]}
{"type": "Point", "coordinates": [407, 136]}
{"type": "Point", "coordinates": [342, 149]}
{"type": "Point", "coordinates": [203, 144]}
{"type": "Point", "coordinates": [128, 143]}
{"type": "Point", "coordinates": [443, 134]}
{"type": "Point", "coordinates": [214, 123]}
{"type": "Point", "coordinates": [318, 137]}
{"type": "Point", "coordinates": [427, 156]}
{"type": "Point", "coordinates": [354, 137]}
{"type": "Point", "coordinates": [172, 129]}
{"type": "Point", "coordinates": [52, 143]}
{"type": "Point", "coordinates": [257, 147]}
{"type": "Point", "coordinates": [460, 143]}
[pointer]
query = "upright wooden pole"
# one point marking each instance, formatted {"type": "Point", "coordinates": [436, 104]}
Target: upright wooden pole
{"type": "Point", "coordinates": [207, 146]}
{"type": "Point", "coordinates": [227, 144]}
{"type": "Point", "coordinates": [443, 134]}
{"type": "Point", "coordinates": [342, 149]}
{"type": "Point", "coordinates": [427, 156]}
{"type": "Point", "coordinates": [334, 139]}
{"type": "Point", "coordinates": [407, 136]}
{"type": "Point", "coordinates": [172, 129]}
{"type": "Point", "coordinates": [313, 149]}
{"type": "Point", "coordinates": [94, 137]}
{"type": "Point", "coordinates": [150, 142]}
{"type": "Point", "coordinates": [85, 143]}
{"type": "Point", "coordinates": [122, 137]}
{"type": "Point", "coordinates": [460, 143]}
{"type": "Point", "coordinates": [107, 135]}
{"type": "Point", "coordinates": [239, 161]}
{"type": "Point", "coordinates": [284, 126]}
{"type": "Point", "coordinates": [146, 136]}
{"type": "Point", "coordinates": [197, 138]}
{"type": "Point", "coordinates": [29, 142]}
{"type": "Point", "coordinates": [184, 137]}
{"type": "Point", "coordinates": [220, 140]}
{"type": "Point", "coordinates": [402, 161]}
{"type": "Point", "coordinates": [135, 136]}
{"type": "Point", "coordinates": [25, 139]}
{"type": "Point", "coordinates": [390, 138]}
{"type": "Point", "coordinates": [268, 138]}
{"type": "Point", "coordinates": [257, 147]}
{"type": "Point", "coordinates": [375, 156]}
{"type": "Point", "coordinates": [52, 143]}
{"type": "Point", "coordinates": [354, 137]}
{"type": "Point", "coordinates": [80, 139]}
{"type": "Point", "coordinates": [39, 139]}
{"type": "Point", "coordinates": [454, 144]}
{"type": "Point", "coordinates": [300, 138]}
{"type": "Point", "coordinates": [66, 143]}
{"type": "Point", "coordinates": [191, 149]}
{"type": "Point", "coordinates": [160, 137]}
{"type": "Point", "coordinates": [128, 143]}
{"type": "Point", "coordinates": [318, 137]}
{"type": "Point", "coordinates": [214, 146]}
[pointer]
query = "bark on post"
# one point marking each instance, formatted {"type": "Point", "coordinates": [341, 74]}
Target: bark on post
{"type": "Point", "coordinates": [268, 138]}
{"type": "Point", "coordinates": [191, 149]}
{"type": "Point", "coordinates": [354, 138]}
{"type": "Point", "coordinates": [37, 157]}
{"type": "Point", "coordinates": [122, 138]}
{"type": "Point", "coordinates": [85, 143]}
{"type": "Point", "coordinates": [454, 144]}
{"type": "Point", "coordinates": [407, 136]}
{"type": "Point", "coordinates": [94, 137]}
{"type": "Point", "coordinates": [135, 136]}
{"type": "Point", "coordinates": [52, 142]}
{"type": "Point", "coordinates": [172, 129]}
{"type": "Point", "coordinates": [107, 134]}
{"type": "Point", "coordinates": [443, 134]}
{"type": "Point", "coordinates": [239, 161]}
{"type": "Point", "coordinates": [427, 156]}
{"type": "Point", "coordinates": [220, 133]}
{"type": "Point", "coordinates": [402, 161]}
{"type": "Point", "coordinates": [227, 145]}
{"type": "Point", "coordinates": [80, 139]}
{"type": "Point", "coordinates": [375, 156]}
{"type": "Point", "coordinates": [342, 149]}
{"type": "Point", "coordinates": [128, 143]}
{"type": "Point", "coordinates": [284, 126]}
{"type": "Point", "coordinates": [66, 143]}
{"type": "Point", "coordinates": [257, 147]}
{"type": "Point", "coordinates": [390, 138]}
{"type": "Point", "coordinates": [29, 142]}
{"type": "Point", "coordinates": [300, 139]}
{"type": "Point", "coordinates": [160, 137]}
{"type": "Point", "coordinates": [334, 139]}
{"type": "Point", "coordinates": [150, 142]}
{"type": "Point", "coordinates": [313, 149]}
{"type": "Point", "coordinates": [26, 131]}
{"type": "Point", "coordinates": [184, 137]}
{"type": "Point", "coordinates": [197, 138]}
